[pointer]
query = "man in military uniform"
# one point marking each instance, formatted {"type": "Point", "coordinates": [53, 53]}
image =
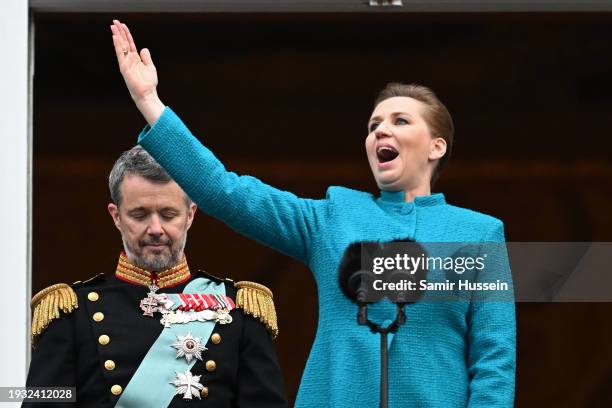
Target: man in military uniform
{"type": "Point", "coordinates": [153, 334]}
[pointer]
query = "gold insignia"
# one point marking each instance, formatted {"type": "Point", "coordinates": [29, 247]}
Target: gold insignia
{"type": "Point", "coordinates": [47, 304]}
{"type": "Point", "coordinates": [256, 299]}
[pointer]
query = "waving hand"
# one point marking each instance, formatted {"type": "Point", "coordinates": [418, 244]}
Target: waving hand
{"type": "Point", "coordinates": [138, 71]}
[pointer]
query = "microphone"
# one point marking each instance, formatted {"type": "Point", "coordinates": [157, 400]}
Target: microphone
{"type": "Point", "coordinates": [356, 278]}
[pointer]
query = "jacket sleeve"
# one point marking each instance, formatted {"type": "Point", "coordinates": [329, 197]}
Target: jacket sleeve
{"type": "Point", "coordinates": [260, 381]}
{"type": "Point", "coordinates": [492, 336]}
{"type": "Point", "coordinates": [53, 361]}
{"type": "Point", "coordinates": [271, 216]}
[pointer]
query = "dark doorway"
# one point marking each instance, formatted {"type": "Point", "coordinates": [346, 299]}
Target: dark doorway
{"type": "Point", "coordinates": [286, 98]}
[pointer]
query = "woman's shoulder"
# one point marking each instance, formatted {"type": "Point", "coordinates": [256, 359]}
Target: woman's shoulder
{"type": "Point", "coordinates": [475, 218]}
{"type": "Point", "coordinates": [339, 193]}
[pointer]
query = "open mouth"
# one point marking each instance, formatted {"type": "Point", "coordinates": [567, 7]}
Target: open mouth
{"type": "Point", "coordinates": [386, 154]}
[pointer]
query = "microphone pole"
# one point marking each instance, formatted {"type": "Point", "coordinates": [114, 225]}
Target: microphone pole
{"type": "Point", "coordinates": [400, 319]}
{"type": "Point", "coordinates": [362, 320]}
{"type": "Point", "coordinates": [355, 283]}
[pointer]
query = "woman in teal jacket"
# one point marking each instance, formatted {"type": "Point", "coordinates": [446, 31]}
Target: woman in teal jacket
{"type": "Point", "coordinates": [448, 354]}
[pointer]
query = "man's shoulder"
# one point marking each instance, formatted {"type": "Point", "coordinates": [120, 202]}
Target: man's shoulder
{"type": "Point", "coordinates": [251, 298]}
{"type": "Point", "coordinates": [256, 300]}
{"type": "Point", "coordinates": [215, 278]}
{"type": "Point", "coordinates": [58, 300]}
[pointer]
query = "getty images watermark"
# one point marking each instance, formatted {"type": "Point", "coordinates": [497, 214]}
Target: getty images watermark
{"type": "Point", "coordinates": [410, 271]}
{"type": "Point", "coordinates": [482, 271]}
{"type": "Point", "coordinates": [410, 265]}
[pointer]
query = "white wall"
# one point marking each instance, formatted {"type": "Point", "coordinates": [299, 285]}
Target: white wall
{"type": "Point", "coordinates": [14, 185]}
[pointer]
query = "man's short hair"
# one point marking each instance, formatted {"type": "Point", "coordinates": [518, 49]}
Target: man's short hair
{"type": "Point", "coordinates": [137, 162]}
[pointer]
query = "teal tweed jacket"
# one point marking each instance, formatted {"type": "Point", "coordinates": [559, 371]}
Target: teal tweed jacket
{"type": "Point", "coordinates": [448, 354]}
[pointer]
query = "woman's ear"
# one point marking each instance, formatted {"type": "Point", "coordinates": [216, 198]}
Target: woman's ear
{"type": "Point", "coordinates": [437, 148]}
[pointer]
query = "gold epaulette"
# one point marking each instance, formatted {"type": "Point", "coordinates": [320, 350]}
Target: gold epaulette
{"type": "Point", "coordinates": [256, 299]}
{"type": "Point", "coordinates": [47, 304]}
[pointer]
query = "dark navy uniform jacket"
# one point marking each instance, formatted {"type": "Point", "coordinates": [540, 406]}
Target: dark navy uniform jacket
{"type": "Point", "coordinates": [245, 372]}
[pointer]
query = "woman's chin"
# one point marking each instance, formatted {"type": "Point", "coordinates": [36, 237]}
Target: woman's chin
{"type": "Point", "coordinates": [389, 183]}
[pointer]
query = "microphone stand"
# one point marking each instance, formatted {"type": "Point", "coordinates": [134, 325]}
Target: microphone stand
{"type": "Point", "coordinates": [362, 320]}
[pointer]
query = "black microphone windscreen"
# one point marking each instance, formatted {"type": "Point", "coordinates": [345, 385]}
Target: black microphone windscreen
{"type": "Point", "coordinates": [356, 276]}
{"type": "Point", "coordinates": [349, 265]}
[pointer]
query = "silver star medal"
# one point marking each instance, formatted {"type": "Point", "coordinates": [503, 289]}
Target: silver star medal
{"type": "Point", "coordinates": [189, 347]}
{"type": "Point", "coordinates": [187, 384]}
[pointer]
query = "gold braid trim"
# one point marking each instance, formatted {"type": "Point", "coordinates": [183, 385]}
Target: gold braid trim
{"type": "Point", "coordinates": [168, 278]}
{"type": "Point", "coordinates": [256, 299]}
{"type": "Point", "coordinates": [46, 306]}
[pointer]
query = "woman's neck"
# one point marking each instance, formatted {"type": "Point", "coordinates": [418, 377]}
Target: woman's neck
{"type": "Point", "coordinates": [412, 193]}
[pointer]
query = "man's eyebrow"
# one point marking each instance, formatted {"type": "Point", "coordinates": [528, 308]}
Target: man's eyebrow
{"type": "Point", "coordinates": [169, 209]}
{"type": "Point", "coordinates": [137, 210]}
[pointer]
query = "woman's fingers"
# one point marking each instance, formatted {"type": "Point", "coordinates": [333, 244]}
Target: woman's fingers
{"type": "Point", "coordinates": [138, 72]}
{"type": "Point", "coordinates": [118, 43]}
{"type": "Point", "coordinates": [145, 56]}
{"type": "Point", "coordinates": [122, 36]}
{"type": "Point", "coordinates": [129, 37]}
{"type": "Point", "coordinates": [118, 29]}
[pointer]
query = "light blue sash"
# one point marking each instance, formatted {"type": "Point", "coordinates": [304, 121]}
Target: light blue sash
{"type": "Point", "coordinates": [150, 386]}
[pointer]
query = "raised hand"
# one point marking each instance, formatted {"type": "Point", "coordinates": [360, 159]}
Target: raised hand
{"type": "Point", "coordinates": [138, 72]}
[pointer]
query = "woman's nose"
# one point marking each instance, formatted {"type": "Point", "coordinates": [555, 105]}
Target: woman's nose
{"type": "Point", "coordinates": [382, 131]}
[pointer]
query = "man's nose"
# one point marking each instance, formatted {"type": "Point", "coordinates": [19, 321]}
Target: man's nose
{"type": "Point", "coordinates": [155, 226]}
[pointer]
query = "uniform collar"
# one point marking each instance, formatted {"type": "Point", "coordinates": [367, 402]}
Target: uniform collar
{"type": "Point", "coordinates": [419, 201]}
{"type": "Point", "coordinates": [131, 273]}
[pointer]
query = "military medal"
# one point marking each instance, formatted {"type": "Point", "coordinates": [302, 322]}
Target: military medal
{"type": "Point", "coordinates": [189, 347]}
{"type": "Point", "coordinates": [149, 305]}
{"type": "Point", "coordinates": [188, 307]}
{"type": "Point", "coordinates": [194, 301]}
{"type": "Point", "coordinates": [187, 384]}
{"type": "Point", "coordinates": [220, 316]}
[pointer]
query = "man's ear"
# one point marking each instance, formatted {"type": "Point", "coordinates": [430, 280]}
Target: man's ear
{"type": "Point", "coordinates": [113, 210]}
{"type": "Point", "coordinates": [437, 148]}
{"type": "Point", "coordinates": [191, 213]}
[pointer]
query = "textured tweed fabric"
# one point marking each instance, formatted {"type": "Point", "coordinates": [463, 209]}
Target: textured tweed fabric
{"type": "Point", "coordinates": [448, 354]}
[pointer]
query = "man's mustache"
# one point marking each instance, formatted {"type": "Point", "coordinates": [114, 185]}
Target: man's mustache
{"type": "Point", "coordinates": [155, 241]}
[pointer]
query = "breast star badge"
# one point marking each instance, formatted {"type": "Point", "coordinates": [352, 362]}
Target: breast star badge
{"type": "Point", "coordinates": [189, 347]}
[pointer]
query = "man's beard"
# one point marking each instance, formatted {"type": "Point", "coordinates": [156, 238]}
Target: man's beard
{"type": "Point", "coordinates": [155, 262]}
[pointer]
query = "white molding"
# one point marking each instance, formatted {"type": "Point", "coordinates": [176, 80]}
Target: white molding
{"type": "Point", "coordinates": [15, 181]}
{"type": "Point", "coordinates": [322, 6]}
{"type": "Point", "coordinates": [30, 179]}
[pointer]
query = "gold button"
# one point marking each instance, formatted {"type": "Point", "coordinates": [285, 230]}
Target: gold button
{"type": "Point", "coordinates": [215, 338]}
{"type": "Point", "coordinates": [98, 316]}
{"type": "Point", "coordinates": [116, 389]}
{"type": "Point", "coordinates": [93, 296]}
{"type": "Point", "coordinates": [204, 392]}
{"type": "Point", "coordinates": [104, 339]}
{"type": "Point", "coordinates": [211, 365]}
{"type": "Point", "coordinates": [109, 365]}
